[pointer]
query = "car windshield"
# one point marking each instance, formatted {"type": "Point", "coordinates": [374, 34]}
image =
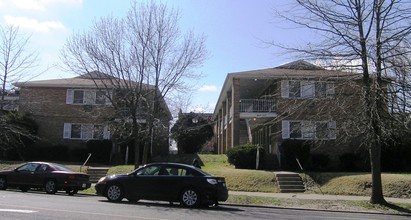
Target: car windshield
{"type": "Point", "coordinates": [60, 167]}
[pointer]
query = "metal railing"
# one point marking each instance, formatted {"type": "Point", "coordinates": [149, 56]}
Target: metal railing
{"type": "Point", "coordinates": [307, 177]}
{"type": "Point", "coordinates": [257, 105]}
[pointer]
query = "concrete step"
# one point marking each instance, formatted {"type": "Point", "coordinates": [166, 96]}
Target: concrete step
{"type": "Point", "coordinates": [292, 187]}
{"type": "Point", "coordinates": [292, 190]}
{"type": "Point", "coordinates": [289, 178]}
{"type": "Point", "coordinates": [289, 182]}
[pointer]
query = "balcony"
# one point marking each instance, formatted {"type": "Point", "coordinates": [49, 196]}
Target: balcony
{"type": "Point", "coordinates": [257, 108]}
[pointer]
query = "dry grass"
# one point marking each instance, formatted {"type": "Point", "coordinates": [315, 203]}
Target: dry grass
{"type": "Point", "coordinates": [359, 184]}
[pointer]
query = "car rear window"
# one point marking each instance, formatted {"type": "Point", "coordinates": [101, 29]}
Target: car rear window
{"type": "Point", "coordinates": [60, 167]}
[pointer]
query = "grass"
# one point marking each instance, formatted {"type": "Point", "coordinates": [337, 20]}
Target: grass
{"type": "Point", "coordinates": [359, 184]}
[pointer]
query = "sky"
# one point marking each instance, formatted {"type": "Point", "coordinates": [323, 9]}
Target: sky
{"type": "Point", "coordinates": [236, 33]}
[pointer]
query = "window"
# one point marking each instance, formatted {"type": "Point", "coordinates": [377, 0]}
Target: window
{"type": "Point", "coordinates": [174, 171]}
{"type": "Point", "coordinates": [150, 170]}
{"type": "Point", "coordinates": [85, 131]}
{"type": "Point", "coordinates": [100, 97]}
{"type": "Point", "coordinates": [306, 89]}
{"type": "Point", "coordinates": [87, 97]}
{"type": "Point", "coordinates": [294, 89]}
{"type": "Point", "coordinates": [78, 97]}
{"type": "Point", "coordinates": [295, 129]}
{"type": "Point", "coordinates": [308, 130]}
{"type": "Point", "coordinates": [30, 167]}
{"type": "Point", "coordinates": [321, 130]}
{"type": "Point", "coordinates": [75, 131]}
{"type": "Point", "coordinates": [320, 90]}
{"type": "Point", "coordinates": [43, 168]}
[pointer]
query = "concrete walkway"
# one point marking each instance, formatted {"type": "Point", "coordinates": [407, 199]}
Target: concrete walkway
{"type": "Point", "coordinates": [316, 196]}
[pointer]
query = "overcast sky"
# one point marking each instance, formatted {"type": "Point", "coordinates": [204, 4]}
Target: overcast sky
{"type": "Point", "coordinates": [235, 31]}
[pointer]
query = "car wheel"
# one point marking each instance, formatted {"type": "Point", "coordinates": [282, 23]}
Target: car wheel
{"type": "Point", "coordinates": [72, 192]}
{"type": "Point", "coordinates": [3, 183]}
{"type": "Point", "coordinates": [190, 198]}
{"type": "Point", "coordinates": [50, 186]}
{"type": "Point", "coordinates": [115, 193]}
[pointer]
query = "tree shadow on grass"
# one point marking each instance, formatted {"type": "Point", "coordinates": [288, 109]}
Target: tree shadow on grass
{"type": "Point", "coordinates": [398, 208]}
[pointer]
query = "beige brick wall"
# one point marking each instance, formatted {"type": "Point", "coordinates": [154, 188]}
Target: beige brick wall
{"type": "Point", "coordinates": [48, 107]}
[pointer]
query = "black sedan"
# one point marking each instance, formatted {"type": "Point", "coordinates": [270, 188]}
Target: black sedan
{"type": "Point", "coordinates": [48, 176]}
{"type": "Point", "coordinates": [170, 182]}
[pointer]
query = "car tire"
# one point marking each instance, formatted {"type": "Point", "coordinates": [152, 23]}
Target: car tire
{"type": "Point", "coordinates": [50, 187]}
{"type": "Point", "coordinates": [190, 198]}
{"type": "Point", "coordinates": [3, 183]}
{"type": "Point", "coordinates": [115, 193]}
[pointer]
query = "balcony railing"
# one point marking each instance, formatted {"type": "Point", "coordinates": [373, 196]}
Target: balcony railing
{"type": "Point", "coordinates": [257, 105]}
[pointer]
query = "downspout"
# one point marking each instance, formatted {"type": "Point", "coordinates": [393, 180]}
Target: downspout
{"type": "Point", "coordinates": [250, 137]}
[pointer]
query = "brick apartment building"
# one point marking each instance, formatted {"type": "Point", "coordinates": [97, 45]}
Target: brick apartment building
{"type": "Point", "coordinates": [296, 101]}
{"type": "Point", "coordinates": [72, 111]}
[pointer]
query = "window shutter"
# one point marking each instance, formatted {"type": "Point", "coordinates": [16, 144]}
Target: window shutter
{"type": "Point", "coordinates": [330, 90]}
{"type": "Point", "coordinates": [106, 132]}
{"type": "Point", "coordinates": [67, 131]}
{"type": "Point", "coordinates": [285, 129]}
{"type": "Point", "coordinates": [332, 130]}
{"type": "Point", "coordinates": [69, 96]}
{"type": "Point", "coordinates": [307, 89]}
{"type": "Point", "coordinates": [284, 89]}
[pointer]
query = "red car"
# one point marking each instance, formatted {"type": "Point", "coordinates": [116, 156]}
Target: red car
{"type": "Point", "coordinates": [49, 176]}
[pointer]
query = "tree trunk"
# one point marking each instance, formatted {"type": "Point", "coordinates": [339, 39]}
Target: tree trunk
{"type": "Point", "coordinates": [136, 154]}
{"type": "Point", "coordinates": [377, 196]}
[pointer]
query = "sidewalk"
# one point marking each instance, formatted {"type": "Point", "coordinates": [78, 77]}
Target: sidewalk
{"type": "Point", "coordinates": [315, 196]}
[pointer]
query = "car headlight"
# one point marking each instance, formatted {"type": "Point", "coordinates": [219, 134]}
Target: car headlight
{"type": "Point", "coordinates": [102, 179]}
{"type": "Point", "coordinates": [212, 181]}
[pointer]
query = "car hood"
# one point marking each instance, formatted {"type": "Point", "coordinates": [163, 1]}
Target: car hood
{"type": "Point", "coordinates": [116, 176]}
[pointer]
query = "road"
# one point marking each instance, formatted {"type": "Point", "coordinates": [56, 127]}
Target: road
{"type": "Point", "coordinates": [40, 206]}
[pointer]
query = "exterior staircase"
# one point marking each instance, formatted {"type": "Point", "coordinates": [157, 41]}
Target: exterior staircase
{"type": "Point", "coordinates": [243, 133]}
{"type": "Point", "coordinates": [96, 173]}
{"type": "Point", "coordinates": [289, 182]}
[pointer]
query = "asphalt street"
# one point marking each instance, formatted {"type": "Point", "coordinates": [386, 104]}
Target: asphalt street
{"type": "Point", "coordinates": [16, 205]}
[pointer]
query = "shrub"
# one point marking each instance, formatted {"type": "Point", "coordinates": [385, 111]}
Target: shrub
{"type": "Point", "coordinates": [319, 162]}
{"type": "Point", "coordinates": [292, 150]}
{"type": "Point", "coordinates": [47, 152]}
{"type": "Point", "coordinates": [244, 156]}
{"type": "Point", "coordinates": [100, 150]}
{"type": "Point", "coordinates": [348, 162]}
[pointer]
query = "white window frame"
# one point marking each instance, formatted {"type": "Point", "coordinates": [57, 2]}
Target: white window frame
{"type": "Point", "coordinates": [89, 97]}
{"type": "Point", "coordinates": [307, 89]}
{"type": "Point", "coordinates": [308, 130]}
{"type": "Point", "coordinates": [87, 131]}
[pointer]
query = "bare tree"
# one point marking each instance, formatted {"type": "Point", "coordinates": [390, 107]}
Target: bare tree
{"type": "Point", "coordinates": [16, 60]}
{"type": "Point", "coordinates": [366, 35]}
{"type": "Point", "coordinates": [144, 57]}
